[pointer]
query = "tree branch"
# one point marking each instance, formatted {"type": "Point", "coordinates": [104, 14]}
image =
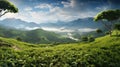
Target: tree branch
{"type": "Point", "coordinates": [107, 26]}
{"type": "Point", "coordinates": [0, 10]}
{"type": "Point", "coordinates": [3, 13]}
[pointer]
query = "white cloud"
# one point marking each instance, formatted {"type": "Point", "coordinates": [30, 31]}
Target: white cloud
{"type": "Point", "coordinates": [72, 10]}
{"type": "Point", "coordinates": [20, 15]}
{"type": "Point", "coordinates": [28, 9]}
{"type": "Point", "coordinates": [66, 4]}
{"type": "Point", "coordinates": [8, 15]}
{"type": "Point", "coordinates": [86, 30]}
{"type": "Point", "coordinates": [42, 17]}
{"type": "Point", "coordinates": [56, 29]}
{"type": "Point", "coordinates": [102, 8]}
{"type": "Point", "coordinates": [43, 6]}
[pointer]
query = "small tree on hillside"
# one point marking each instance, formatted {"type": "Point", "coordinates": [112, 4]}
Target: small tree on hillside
{"type": "Point", "coordinates": [117, 28]}
{"type": "Point", "coordinates": [98, 30]}
{"type": "Point", "coordinates": [111, 16]}
{"type": "Point", "coordinates": [84, 38]}
{"type": "Point", "coordinates": [19, 38]}
{"type": "Point", "coordinates": [91, 39]}
{"type": "Point", "coordinates": [6, 7]}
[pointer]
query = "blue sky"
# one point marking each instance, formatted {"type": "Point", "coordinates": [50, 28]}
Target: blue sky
{"type": "Point", "coordinates": [44, 11]}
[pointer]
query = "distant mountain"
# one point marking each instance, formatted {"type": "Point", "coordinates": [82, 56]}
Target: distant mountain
{"type": "Point", "coordinates": [37, 34]}
{"type": "Point", "coordinates": [72, 25]}
{"type": "Point", "coordinates": [84, 23]}
{"type": "Point", "coordinates": [56, 24]}
{"type": "Point", "coordinates": [17, 23]}
{"type": "Point", "coordinates": [75, 24]}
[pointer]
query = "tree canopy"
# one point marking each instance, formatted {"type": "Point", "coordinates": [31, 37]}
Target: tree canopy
{"type": "Point", "coordinates": [99, 31]}
{"type": "Point", "coordinates": [109, 15]}
{"type": "Point", "coordinates": [6, 6]}
{"type": "Point", "coordinates": [117, 26]}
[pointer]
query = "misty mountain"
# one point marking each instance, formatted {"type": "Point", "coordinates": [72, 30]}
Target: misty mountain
{"type": "Point", "coordinates": [18, 24]}
{"type": "Point", "coordinates": [75, 24]}
{"type": "Point", "coordinates": [84, 23]}
{"type": "Point", "coordinates": [72, 25]}
{"type": "Point", "coordinates": [39, 35]}
{"type": "Point", "coordinates": [33, 36]}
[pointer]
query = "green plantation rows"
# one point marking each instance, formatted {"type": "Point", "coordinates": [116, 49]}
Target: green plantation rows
{"type": "Point", "coordinates": [104, 52]}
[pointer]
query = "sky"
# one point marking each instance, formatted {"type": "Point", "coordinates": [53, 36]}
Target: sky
{"type": "Point", "coordinates": [45, 11]}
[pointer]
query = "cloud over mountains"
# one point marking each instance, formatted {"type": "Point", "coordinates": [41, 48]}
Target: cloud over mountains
{"type": "Point", "coordinates": [41, 11]}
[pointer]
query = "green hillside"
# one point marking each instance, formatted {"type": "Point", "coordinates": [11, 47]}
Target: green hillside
{"type": "Point", "coordinates": [33, 36]}
{"type": "Point", "coordinates": [104, 52]}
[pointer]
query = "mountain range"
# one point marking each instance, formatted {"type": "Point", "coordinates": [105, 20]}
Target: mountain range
{"type": "Point", "coordinates": [17, 23]}
{"type": "Point", "coordinates": [74, 25]}
{"type": "Point", "coordinates": [73, 29]}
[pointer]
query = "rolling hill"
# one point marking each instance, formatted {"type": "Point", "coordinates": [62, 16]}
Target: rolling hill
{"type": "Point", "coordinates": [103, 52]}
{"type": "Point", "coordinates": [33, 36]}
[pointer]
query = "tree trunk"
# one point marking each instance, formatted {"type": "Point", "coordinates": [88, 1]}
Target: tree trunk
{"type": "Point", "coordinates": [116, 32]}
{"type": "Point", "coordinates": [110, 32]}
{"type": "Point", "coordinates": [108, 27]}
{"type": "Point", "coordinates": [111, 27]}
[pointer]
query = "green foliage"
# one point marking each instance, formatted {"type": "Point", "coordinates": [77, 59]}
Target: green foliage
{"type": "Point", "coordinates": [34, 36]}
{"type": "Point", "coordinates": [103, 52]}
{"type": "Point", "coordinates": [107, 33]}
{"type": "Point", "coordinates": [55, 43]}
{"type": "Point", "coordinates": [19, 39]}
{"type": "Point", "coordinates": [117, 26]}
{"type": "Point", "coordinates": [84, 38]}
{"type": "Point", "coordinates": [108, 15]}
{"type": "Point", "coordinates": [91, 39]}
{"type": "Point", "coordinates": [87, 39]}
{"type": "Point", "coordinates": [99, 31]}
{"type": "Point", "coordinates": [6, 6]}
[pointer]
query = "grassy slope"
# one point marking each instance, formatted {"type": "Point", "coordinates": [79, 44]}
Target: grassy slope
{"type": "Point", "coordinates": [104, 52]}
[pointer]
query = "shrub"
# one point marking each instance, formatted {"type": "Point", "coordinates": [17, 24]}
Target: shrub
{"type": "Point", "coordinates": [55, 43]}
{"type": "Point", "coordinates": [91, 39]}
{"type": "Point", "coordinates": [107, 33]}
{"type": "Point", "coordinates": [99, 31]}
{"type": "Point", "coordinates": [19, 39]}
{"type": "Point", "coordinates": [85, 38]}
{"type": "Point", "coordinates": [117, 26]}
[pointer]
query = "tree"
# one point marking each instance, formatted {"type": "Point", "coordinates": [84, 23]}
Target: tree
{"type": "Point", "coordinates": [84, 38]}
{"type": "Point", "coordinates": [19, 38]}
{"type": "Point", "coordinates": [6, 7]}
{"type": "Point", "coordinates": [99, 31]}
{"type": "Point", "coordinates": [109, 17]}
{"type": "Point", "coordinates": [91, 39]}
{"type": "Point", "coordinates": [117, 28]}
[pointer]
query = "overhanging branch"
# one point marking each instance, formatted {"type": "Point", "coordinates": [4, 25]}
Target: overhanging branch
{"type": "Point", "coordinates": [3, 13]}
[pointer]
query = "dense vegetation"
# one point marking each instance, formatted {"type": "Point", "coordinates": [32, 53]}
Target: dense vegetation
{"type": "Point", "coordinates": [103, 52]}
{"type": "Point", "coordinates": [100, 52]}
